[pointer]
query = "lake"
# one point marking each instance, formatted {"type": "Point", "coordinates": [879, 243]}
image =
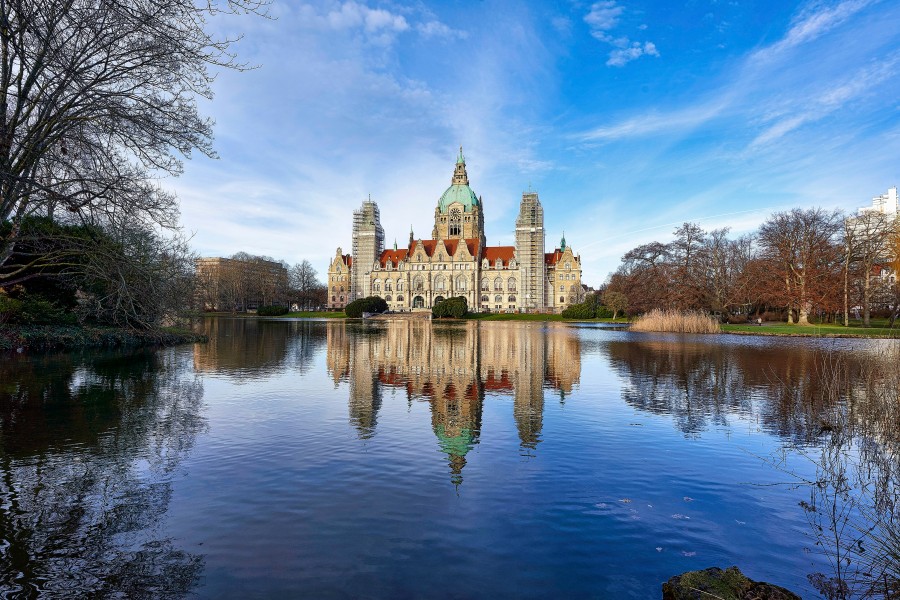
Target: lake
{"type": "Point", "coordinates": [333, 459]}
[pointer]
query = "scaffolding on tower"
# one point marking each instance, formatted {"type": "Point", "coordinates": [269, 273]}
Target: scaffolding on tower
{"type": "Point", "coordinates": [530, 252]}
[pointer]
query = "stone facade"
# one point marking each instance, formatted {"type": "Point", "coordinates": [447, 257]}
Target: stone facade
{"type": "Point", "coordinates": [457, 261]}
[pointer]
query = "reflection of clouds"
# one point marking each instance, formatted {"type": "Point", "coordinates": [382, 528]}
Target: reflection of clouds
{"type": "Point", "coordinates": [88, 449]}
{"type": "Point", "coordinates": [452, 366]}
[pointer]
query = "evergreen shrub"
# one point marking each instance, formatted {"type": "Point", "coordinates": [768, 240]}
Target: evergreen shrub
{"type": "Point", "coordinates": [272, 311]}
{"type": "Point", "coordinates": [451, 307]}
{"type": "Point", "coordinates": [372, 304]}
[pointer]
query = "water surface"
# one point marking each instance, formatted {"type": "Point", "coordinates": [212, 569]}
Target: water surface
{"type": "Point", "coordinates": [332, 459]}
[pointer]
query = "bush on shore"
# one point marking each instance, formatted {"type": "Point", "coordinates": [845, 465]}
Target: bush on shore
{"type": "Point", "coordinates": [451, 307]}
{"type": "Point", "coordinates": [272, 311]}
{"type": "Point", "coordinates": [70, 337]}
{"type": "Point", "coordinates": [676, 322]}
{"type": "Point", "coordinates": [371, 304]}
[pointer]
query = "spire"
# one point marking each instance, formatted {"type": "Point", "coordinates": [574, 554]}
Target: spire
{"type": "Point", "coordinates": [562, 243]}
{"type": "Point", "coordinates": [395, 244]}
{"type": "Point", "coordinates": [460, 177]}
{"type": "Point", "coordinates": [411, 238]}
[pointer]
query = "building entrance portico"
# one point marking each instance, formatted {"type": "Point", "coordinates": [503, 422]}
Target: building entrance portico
{"type": "Point", "coordinates": [418, 302]}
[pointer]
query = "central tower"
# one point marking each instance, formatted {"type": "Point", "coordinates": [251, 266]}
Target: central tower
{"type": "Point", "coordinates": [459, 212]}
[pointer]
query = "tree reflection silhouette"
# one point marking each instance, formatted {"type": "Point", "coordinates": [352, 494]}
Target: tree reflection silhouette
{"type": "Point", "coordinates": [88, 447]}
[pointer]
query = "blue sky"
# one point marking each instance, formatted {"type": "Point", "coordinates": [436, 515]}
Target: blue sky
{"type": "Point", "coordinates": [627, 117]}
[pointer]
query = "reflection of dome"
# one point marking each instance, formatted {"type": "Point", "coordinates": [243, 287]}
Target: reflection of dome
{"type": "Point", "coordinates": [458, 193]}
{"type": "Point", "coordinates": [454, 445]}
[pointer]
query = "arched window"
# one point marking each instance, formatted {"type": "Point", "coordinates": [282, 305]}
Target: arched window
{"type": "Point", "coordinates": [568, 266]}
{"type": "Point", "coordinates": [498, 264]}
{"type": "Point", "coordinates": [460, 284]}
{"type": "Point", "coordinates": [485, 284]}
{"type": "Point", "coordinates": [377, 265]}
{"type": "Point", "coordinates": [399, 285]}
{"type": "Point", "coordinates": [389, 265]}
{"type": "Point", "coordinates": [511, 284]}
{"type": "Point", "coordinates": [455, 222]}
{"type": "Point", "coordinates": [484, 299]}
{"type": "Point", "coordinates": [440, 283]}
{"type": "Point", "coordinates": [376, 285]}
{"type": "Point", "coordinates": [562, 288]}
{"type": "Point", "coordinates": [498, 284]}
{"type": "Point", "coordinates": [485, 264]}
{"type": "Point", "coordinates": [419, 283]}
{"type": "Point", "coordinates": [342, 289]}
{"type": "Point", "coordinates": [388, 285]}
{"type": "Point", "coordinates": [498, 298]}
{"type": "Point", "coordinates": [399, 298]}
{"type": "Point", "coordinates": [334, 288]}
{"type": "Point", "coordinates": [511, 299]}
{"type": "Point", "coordinates": [338, 269]}
{"type": "Point", "coordinates": [387, 298]}
{"type": "Point", "coordinates": [562, 300]}
{"type": "Point", "coordinates": [512, 264]}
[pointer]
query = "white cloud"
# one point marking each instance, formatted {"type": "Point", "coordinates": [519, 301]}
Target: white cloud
{"type": "Point", "coordinates": [602, 19]}
{"type": "Point", "coordinates": [436, 29]}
{"type": "Point", "coordinates": [827, 101]}
{"type": "Point", "coordinates": [811, 24]}
{"type": "Point", "coordinates": [603, 16]}
{"type": "Point", "coordinates": [619, 58]}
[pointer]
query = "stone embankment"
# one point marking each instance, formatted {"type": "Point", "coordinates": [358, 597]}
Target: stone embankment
{"type": "Point", "coordinates": [424, 315]}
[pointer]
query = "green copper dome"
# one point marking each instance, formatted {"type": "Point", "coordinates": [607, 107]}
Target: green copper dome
{"type": "Point", "coordinates": [461, 193]}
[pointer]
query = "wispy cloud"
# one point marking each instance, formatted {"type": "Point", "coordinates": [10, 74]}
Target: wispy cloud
{"type": "Point", "coordinates": [602, 19]}
{"type": "Point", "coordinates": [811, 23]}
{"type": "Point", "coordinates": [831, 99]}
{"type": "Point", "coordinates": [656, 122]}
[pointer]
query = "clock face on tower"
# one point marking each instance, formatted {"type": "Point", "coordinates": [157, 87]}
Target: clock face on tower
{"type": "Point", "coordinates": [455, 222]}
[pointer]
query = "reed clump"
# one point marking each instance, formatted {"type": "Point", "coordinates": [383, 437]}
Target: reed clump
{"type": "Point", "coordinates": [675, 321]}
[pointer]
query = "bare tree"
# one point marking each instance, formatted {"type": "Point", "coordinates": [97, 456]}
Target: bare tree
{"type": "Point", "coordinates": [868, 242]}
{"type": "Point", "coordinates": [97, 99]}
{"type": "Point", "coordinates": [799, 246]}
{"type": "Point", "coordinates": [303, 282]}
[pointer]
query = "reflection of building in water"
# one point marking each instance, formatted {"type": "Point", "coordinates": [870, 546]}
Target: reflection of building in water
{"type": "Point", "coordinates": [453, 367]}
{"type": "Point", "coordinates": [250, 348]}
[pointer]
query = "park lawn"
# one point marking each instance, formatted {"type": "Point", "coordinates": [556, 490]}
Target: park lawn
{"type": "Point", "coordinates": [821, 329]}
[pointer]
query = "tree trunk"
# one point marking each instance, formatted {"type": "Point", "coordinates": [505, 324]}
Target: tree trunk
{"type": "Point", "coordinates": [847, 289]}
{"type": "Point", "coordinates": [867, 292]}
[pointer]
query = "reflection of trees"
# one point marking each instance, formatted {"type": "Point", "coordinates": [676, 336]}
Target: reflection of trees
{"type": "Point", "coordinates": [702, 384]}
{"type": "Point", "coordinates": [452, 366]}
{"type": "Point", "coordinates": [87, 452]}
{"type": "Point", "coordinates": [252, 348]}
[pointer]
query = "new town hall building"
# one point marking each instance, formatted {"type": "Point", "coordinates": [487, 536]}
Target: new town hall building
{"type": "Point", "coordinates": [457, 261]}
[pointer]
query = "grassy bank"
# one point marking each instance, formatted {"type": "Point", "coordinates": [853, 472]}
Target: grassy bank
{"type": "Point", "coordinates": [70, 337]}
{"type": "Point", "coordinates": [820, 330]}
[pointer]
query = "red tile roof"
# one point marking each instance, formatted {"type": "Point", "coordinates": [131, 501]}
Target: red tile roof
{"type": "Point", "coordinates": [504, 253]}
{"type": "Point", "coordinates": [348, 259]}
{"type": "Point", "coordinates": [552, 258]}
{"type": "Point", "coordinates": [431, 245]}
{"type": "Point", "coordinates": [394, 256]}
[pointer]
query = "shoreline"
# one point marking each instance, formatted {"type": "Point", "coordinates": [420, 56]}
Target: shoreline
{"type": "Point", "coordinates": [814, 331]}
{"type": "Point", "coordinates": [42, 338]}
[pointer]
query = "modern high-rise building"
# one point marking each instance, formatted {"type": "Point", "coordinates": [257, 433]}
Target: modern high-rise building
{"type": "Point", "coordinates": [457, 261]}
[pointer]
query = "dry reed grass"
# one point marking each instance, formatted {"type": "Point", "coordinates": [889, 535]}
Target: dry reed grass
{"type": "Point", "coordinates": [676, 322]}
